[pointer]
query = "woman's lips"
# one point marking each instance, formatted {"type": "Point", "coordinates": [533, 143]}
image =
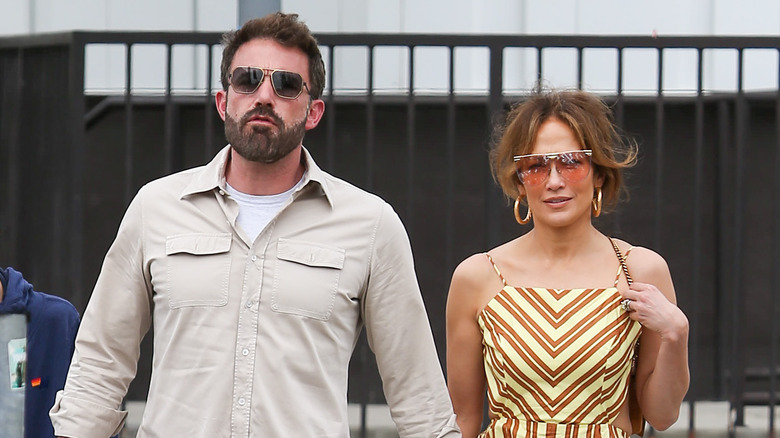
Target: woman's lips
{"type": "Point", "coordinates": [558, 201]}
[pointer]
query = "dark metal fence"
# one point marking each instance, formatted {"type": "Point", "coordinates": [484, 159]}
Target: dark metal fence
{"type": "Point", "coordinates": [706, 194]}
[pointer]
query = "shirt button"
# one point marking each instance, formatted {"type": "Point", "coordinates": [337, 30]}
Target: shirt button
{"type": "Point", "coordinates": [249, 303]}
{"type": "Point", "coordinates": [245, 351]}
{"type": "Point", "coordinates": [241, 401]}
{"type": "Point", "coordinates": [254, 257]}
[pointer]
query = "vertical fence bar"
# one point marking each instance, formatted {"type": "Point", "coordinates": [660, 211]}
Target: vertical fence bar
{"type": "Point", "coordinates": [579, 67]}
{"type": "Point", "coordinates": [14, 160]}
{"type": "Point", "coordinates": [331, 113]}
{"type": "Point", "coordinates": [539, 68]}
{"type": "Point", "coordinates": [697, 240]}
{"type": "Point", "coordinates": [169, 146]}
{"type": "Point", "coordinates": [450, 190]}
{"type": "Point", "coordinates": [369, 163]}
{"type": "Point", "coordinates": [737, 362]}
{"type": "Point", "coordinates": [773, 339]}
{"type": "Point", "coordinates": [129, 128]}
{"type": "Point", "coordinates": [495, 106]}
{"type": "Point", "coordinates": [411, 132]}
{"type": "Point", "coordinates": [370, 122]}
{"type": "Point", "coordinates": [77, 157]}
{"type": "Point", "coordinates": [619, 104]}
{"type": "Point", "coordinates": [722, 259]}
{"type": "Point", "coordinates": [209, 148]}
{"type": "Point", "coordinates": [659, 154]}
{"type": "Point", "coordinates": [56, 174]}
{"type": "Point", "coordinates": [619, 115]}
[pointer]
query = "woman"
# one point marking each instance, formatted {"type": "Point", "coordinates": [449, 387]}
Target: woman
{"type": "Point", "coordinates": [594, 324]}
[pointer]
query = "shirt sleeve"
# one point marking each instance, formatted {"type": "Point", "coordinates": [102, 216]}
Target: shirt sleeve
{"type": "Point", "coordinates": [107, 345]}
{"type": "Point", "coordinates": [400, 336]}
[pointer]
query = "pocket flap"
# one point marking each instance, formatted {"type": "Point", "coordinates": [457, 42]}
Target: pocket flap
{"type": "Point", "coordinates": [310, 254]}
{"type": "Point", "coordinates": [198, 244]}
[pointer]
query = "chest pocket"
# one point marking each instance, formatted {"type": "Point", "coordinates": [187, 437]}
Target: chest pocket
{"type": "Point", "coordinates": [306, 278]}
{"type": "Point", "coordinates": [198, 269]}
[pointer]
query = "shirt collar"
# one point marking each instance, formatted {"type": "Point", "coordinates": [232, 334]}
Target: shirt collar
{"type": "Point", "coordinates": [212, 175]}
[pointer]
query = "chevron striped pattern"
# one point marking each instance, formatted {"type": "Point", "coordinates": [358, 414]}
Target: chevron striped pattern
{"type": "Point", "coordinates": [557, 362]}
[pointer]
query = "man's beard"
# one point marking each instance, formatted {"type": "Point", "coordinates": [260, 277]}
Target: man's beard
{"type": "Point", "coordinates": [260, 143]}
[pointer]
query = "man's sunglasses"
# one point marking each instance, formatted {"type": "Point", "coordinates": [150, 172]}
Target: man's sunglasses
{"type": "Point", "coordinates": [286, 84]}
{"type": "Point", "coordinates": [534, 169]}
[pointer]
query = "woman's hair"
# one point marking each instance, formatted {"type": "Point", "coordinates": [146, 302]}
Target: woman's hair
{"type": "Point", "coordinates": [589, 118]}
{"type": "Point", "coordinates": [286, 30]}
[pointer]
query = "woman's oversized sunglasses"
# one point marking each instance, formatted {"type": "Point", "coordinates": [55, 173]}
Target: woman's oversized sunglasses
{"type": "Point", "coordinates": [535, 169]}
{"type": "Point", "coordinates": [286, 84]}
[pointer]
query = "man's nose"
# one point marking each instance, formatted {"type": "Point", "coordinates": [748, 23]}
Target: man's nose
{"type": "Point", "coordinates": [264, 95]}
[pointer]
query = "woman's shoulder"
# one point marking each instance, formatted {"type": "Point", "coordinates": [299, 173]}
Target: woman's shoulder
{"type": "Point", "coordinates": [644, 264]}
{"type": "Point", "coordinates": [474, 269]}
{"type": "Point", "coordinates": [473, 283]}
{"type": "Point", "coordinates": [481, 271]}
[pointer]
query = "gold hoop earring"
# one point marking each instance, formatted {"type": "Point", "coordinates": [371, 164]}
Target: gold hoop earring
{"type": "Point", "coordinates": [520, 220]}
{"type": "Point", "coordinates": [596, 203]}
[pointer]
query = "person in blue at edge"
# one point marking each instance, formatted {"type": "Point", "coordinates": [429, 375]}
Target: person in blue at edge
{"type": "Point", "coordinates": [51, 332]}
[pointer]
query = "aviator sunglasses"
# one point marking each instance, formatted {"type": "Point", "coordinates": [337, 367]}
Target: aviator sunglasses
{"type": "Point", "coordinates": [535, 169]}
{"type": "Point", "coordinates": [286, 84]}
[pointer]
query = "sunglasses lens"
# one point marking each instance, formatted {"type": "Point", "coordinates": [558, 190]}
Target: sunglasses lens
{"type": "Point", "coordinates": [245, 80]}
{"type": "Point", "coordinates": [535, 169]}
{"type": "Point", "coordinates": [574, 166]}
{"type": "Point", "coordinates": [287, 84]}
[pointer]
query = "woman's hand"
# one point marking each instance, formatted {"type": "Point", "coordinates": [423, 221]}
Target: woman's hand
{"type": "Point", "coordinates": [655, 312]}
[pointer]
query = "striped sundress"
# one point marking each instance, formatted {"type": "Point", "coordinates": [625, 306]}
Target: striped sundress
{"type": "Point", "coordinates": [558, 361]}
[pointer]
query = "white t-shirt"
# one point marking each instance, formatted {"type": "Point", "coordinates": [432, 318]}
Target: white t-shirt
{"type": "Point", "coordinates": [256, 211]}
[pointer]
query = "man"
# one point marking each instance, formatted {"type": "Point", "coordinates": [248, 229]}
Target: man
{"type": "Point", "coordinates": [258, 271]}
{"type": "Point", "coordinates": [51, 328]}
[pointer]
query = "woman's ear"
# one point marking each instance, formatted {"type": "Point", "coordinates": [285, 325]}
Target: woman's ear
{"type": "Point", "coordinates": [521, 190]}
{"type": "Point", "coordinates": [598, 176]}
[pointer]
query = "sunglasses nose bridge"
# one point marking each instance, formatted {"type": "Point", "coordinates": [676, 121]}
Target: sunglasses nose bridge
{"type": "Point", "coordinates": [264, 90]}
{"type": "Point", "coordinates": [553, 164]}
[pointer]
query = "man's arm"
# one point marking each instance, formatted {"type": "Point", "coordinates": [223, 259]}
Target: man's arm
{"type": "Point", "coordinates": [400, 336]}
{"type": "Point", "coordinates": [108, 341]}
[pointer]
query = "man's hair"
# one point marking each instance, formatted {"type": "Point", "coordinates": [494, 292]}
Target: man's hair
{"type": "Point", "coordinates": [591, 122]}
{"type": "Point", "coordinates": [286, 30]}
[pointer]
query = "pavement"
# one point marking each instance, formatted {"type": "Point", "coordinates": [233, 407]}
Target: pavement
{"type": "Point", "coordinates": [711, 420]}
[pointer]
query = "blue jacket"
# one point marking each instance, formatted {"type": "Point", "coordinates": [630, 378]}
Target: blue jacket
{"type": "Point", "coordinates": [51, 332]}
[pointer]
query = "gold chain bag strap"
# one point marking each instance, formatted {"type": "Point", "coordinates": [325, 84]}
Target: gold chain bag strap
{"type": "Point", "coordinates": [634, 411]}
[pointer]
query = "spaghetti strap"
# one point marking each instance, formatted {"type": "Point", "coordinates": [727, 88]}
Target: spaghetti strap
{"type": "Point", "coordinates": [622, 268]}
{"type": "Point", "coordinates": [495, 268]}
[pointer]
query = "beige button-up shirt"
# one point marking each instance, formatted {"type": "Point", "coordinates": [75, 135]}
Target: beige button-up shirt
{"type": "Point", "coordinates": [253, 339]}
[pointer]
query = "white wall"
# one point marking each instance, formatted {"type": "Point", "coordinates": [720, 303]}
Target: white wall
{"type": "Point", "coordinates": [610, 17]}
{"type": "Point", "coordinates": [39, 16]}
{"type": "Point", "coordinates": [601, 17]}
{"type": "Point", "coordinates": [596, 17]}
{"type": "Point", "coordinates": [106, 63]}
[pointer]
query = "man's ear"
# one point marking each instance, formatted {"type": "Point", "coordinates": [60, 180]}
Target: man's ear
{"type": "Point", "coordinates": [220, 100]}
{"type": "Point", "coordinates": [316, 110]}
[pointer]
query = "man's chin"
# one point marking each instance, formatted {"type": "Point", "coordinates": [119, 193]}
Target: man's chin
{"type": "Point", "coordinates": [262, 156]}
